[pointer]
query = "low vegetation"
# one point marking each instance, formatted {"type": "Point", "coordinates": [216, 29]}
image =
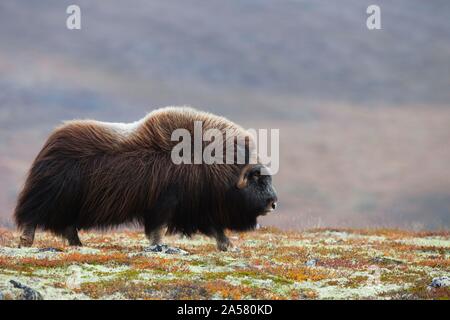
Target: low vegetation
{"type": "Point", "coordinates": [269, 264]}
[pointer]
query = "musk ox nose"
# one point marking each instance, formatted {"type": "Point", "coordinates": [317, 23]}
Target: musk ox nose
{"type": "Point", "coordinates": [272, 204]}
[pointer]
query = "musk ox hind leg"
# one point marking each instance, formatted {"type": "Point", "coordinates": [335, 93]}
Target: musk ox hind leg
{"type": "Point", "coordinates": [71, 234]}
{"type": "Point", "coordinates": [27, 236]}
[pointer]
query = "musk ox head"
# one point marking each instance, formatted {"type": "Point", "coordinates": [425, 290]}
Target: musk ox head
{"type": "Point", "coordinates": [252, 196]}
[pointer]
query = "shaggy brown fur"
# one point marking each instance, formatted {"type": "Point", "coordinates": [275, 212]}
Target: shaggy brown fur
{"type": "Point", "coordinates": [92, 174]}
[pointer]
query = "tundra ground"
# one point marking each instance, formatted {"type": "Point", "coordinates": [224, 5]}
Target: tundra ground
{"type": "Point", "coordinates": [270, 264]}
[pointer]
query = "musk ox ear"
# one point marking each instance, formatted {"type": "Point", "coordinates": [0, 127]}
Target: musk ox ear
{"type": "Point", "coordinates": [247, 171]}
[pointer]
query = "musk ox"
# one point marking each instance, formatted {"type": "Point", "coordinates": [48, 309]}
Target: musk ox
{"type": "Point", "coordinates": [93, 174]}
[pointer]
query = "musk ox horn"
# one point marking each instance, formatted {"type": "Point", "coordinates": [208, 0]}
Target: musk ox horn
{"type": "Point", "coordinates": [243, 176]}
{"type": "Point", "coordinates": [242, 182]}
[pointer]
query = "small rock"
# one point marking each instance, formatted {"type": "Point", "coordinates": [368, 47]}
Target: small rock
{"type": "Point", "coordinates": [28, 293]}
{"type": "Point", "coordinates": [440, 282]}
{"type": "Point", "coordinates": [164, 248]}
{"type": "Point", "coordinates": [50, 250]}
{"type": "Point", "coordinates": [311, 262]}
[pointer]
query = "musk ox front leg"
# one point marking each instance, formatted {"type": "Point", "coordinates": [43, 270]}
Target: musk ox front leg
{"type": "Point", "coordinates": [155, 220]}
{"type": "Point", "coordinates": [71, 234]}
{"type": "Point", "coordinates": [27, 237]}
{"type": "Point", "coordinates": [223, 243]}
{"type": "Point", "coordinates": [154, 236]}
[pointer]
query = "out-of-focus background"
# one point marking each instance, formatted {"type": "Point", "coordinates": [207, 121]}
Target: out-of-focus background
{"type": "Point", "coordinates": [364, 116]}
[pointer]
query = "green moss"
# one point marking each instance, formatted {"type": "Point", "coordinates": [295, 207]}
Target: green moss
{"type": "Point", "coordinates": [130, 274]}
{"type": "Point", "coordinates": [356, 282]}
{"type": "Point", "coordinates": [197, 263]}
{"type": "Point", "coordinates": [281, 281]}
{"type": "Point", "coordinates": [258, 275]}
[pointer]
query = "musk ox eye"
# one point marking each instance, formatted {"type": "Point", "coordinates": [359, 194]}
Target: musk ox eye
{"type": "Point", "coordinates": [256, 175]}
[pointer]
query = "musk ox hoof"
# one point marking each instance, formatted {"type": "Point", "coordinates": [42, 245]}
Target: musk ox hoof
{"type": "Point", "coordinates": [226, 246]}
{"type": "Point", "coordinates": [76, 244]}
{"type": "Point", "coordinates": [164, 248]}
{"type": "Point", "coordinates": [25, 242]}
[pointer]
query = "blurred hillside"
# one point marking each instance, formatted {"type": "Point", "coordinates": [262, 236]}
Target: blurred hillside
{"type": "Point", "coordinates": [363, 115]}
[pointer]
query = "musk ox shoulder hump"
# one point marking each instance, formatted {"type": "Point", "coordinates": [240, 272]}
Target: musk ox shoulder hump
{"type": "Point", "coordinates": [153, 132]}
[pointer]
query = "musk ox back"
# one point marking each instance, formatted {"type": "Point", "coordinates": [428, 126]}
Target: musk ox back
{"type": "Point", "coordinates": [92, 174]}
